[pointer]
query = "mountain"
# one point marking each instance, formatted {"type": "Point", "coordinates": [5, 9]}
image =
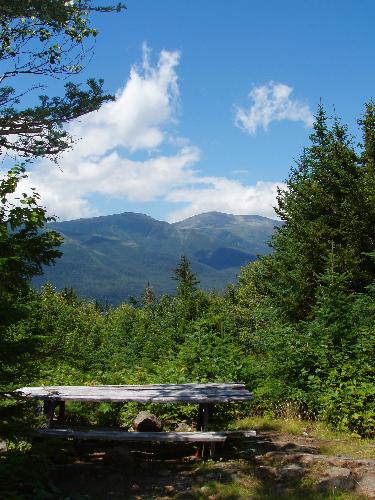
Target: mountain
{"type": "Point", "coordinates": [112, 257]}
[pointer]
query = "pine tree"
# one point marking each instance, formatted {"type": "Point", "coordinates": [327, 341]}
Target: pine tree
{"type": "Point", "coordinates": [328, 201]}
{"type": "Point", "coordinates": [187, 280]}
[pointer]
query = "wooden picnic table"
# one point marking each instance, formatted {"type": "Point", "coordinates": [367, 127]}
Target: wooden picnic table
{"type": "Point", "coordinates": [205, 395]}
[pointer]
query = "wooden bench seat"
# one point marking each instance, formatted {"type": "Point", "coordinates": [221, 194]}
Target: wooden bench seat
{"type": "Point", "coordinates": [173, 437]}
{"type": "Point", "coordinates": [188, 437]}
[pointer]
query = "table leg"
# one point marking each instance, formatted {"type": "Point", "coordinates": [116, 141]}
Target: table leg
{"type": "Point", "coordinates": [61, 417]}
{"type": "Point", "coordinates": [49, 410]}
{"type": "Point", "coordinates": [205, 413]}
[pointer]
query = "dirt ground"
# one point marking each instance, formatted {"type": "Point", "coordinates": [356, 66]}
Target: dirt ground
{"type": "Point", "coordinates": [268, 466]}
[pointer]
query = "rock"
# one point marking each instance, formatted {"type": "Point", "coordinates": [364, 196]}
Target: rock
{"type": "Point", "coordinates": [292, 472]}
{"type": "Point", "coordinates": [119, 455]}
{"type": "Point", "coordinates": [366, 484]}
{"type": "Point", "coordinates": [3, 446]}
{"type": "Point", "coordinates": [336, 479]}
{"type": "Point", "coordinates": [269, 472]}
{"type": "Point", "coordinates": [307, 459]}
{"type": "Point", "coordinates": [183, 427]}
{"type": "Point", "coordinates": [147, 422]}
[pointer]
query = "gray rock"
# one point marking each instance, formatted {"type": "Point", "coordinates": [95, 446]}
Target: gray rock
{"type": "Point", "coordinates": [3, 446]}
{"type": "Point", "coordinates": [292, 472]}
{"type": "Point", "coordinates": [147, 422]}
{"type": "Point", "coordinates": [307, 459]}
{"type": "Point", "coordinates": [269, 472]}
{"type": "Point", "coordinates": [366, 484]}
{"type": "Point", "coordinates": [336, 479]}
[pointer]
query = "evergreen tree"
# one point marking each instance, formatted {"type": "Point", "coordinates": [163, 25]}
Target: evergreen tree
{"type": "Point", "coordinates": [187, 280]}
{"type": "Point", "coordinates": [24, 248]}
{"type": "Point", "coordinates": [328, 203]}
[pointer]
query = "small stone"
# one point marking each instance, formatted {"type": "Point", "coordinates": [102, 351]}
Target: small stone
{"type": "Point", "coordinates": [169, 488]}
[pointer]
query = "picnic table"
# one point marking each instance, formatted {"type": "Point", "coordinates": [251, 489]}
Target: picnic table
{"type": "Point", "coordinates": [205, 395]}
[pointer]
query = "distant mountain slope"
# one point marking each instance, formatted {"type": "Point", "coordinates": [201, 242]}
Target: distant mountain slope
{"type": "Point", "coordinates": [112, 257]}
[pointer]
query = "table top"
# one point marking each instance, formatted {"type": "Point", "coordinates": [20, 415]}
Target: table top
{"type": "Point", "coordinates": [155, 393]}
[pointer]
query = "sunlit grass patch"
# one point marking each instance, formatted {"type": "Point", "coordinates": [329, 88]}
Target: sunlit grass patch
{"type": "Point", "coordinates": [354, 448]}
{"type": "Point", "coordinates": [329, 442]}
{"type": "Point", "coordinates": [292, 426]}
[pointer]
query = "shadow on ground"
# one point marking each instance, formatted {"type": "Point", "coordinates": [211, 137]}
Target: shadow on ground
{"type": "Point", "coordinates": [77, 471]}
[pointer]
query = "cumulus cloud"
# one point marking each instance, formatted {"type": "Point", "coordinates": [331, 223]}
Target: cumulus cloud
{"type": "Point", "coordinates": [66, 192]}
{"type": "Point", "coordinates": [225, 195]}
{"type": "Point", "coordinates": [103, 161]}
{"type": "Point", "coordinates": [271, 102]}
{"type": "Point", "coordinates": [136, 121]}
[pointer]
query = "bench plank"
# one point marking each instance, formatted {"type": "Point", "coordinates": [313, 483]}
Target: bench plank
{"type": "Point", "coordinates": [187, 437]}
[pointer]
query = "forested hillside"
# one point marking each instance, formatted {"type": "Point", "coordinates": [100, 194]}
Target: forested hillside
{"type": "Point", "coordinates": [114, 257]}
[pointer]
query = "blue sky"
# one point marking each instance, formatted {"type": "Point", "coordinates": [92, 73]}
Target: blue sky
{"type": "Point", "coordinates": [215, 100]}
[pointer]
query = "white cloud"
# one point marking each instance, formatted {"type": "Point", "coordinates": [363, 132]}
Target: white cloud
{"type": "Point", "coordinates": [271, 102]}
{"type": "Point", "coordinates": [102, 164]}
{"type": "Point", "coordinates": [134, 121]}
{"type": "Point", "coordinates": [226, 195]}
{"type": "Point", "coordinates": [66, 192]}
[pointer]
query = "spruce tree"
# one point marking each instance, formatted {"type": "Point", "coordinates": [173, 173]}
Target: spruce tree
{"type": "Point", "coordinates": [326, 206]}
{"type": "Point", "coordinates": [186, 279]}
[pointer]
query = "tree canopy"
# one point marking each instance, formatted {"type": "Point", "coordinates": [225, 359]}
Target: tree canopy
{"type": "Point", "coordinates": [328, 209]}
{"type": "Point", "coordinates": [40, 40]}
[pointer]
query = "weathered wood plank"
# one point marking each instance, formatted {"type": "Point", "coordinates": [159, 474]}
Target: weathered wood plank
{"type": "Point", "coordinates": [103, 390]}
{"type": "Point", "coordinates": [148, 386]}
{"type": "Point", "coordinates": [203, 388]}
{"type": "Point", "coordinates": [187, 437]}
{"type": "Point", "coordinates": [119, 399]}
{"type": "Point", "coordinates": [151, 399]}
{"type": "Point", "coordinates": [164, 393]}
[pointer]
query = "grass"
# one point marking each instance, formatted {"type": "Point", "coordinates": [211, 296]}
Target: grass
{"type": "Point", "coordinates": [328, 441]}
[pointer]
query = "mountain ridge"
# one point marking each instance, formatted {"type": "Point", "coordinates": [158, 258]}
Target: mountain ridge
{"type": "Point", "coordinates": [110, 257]}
